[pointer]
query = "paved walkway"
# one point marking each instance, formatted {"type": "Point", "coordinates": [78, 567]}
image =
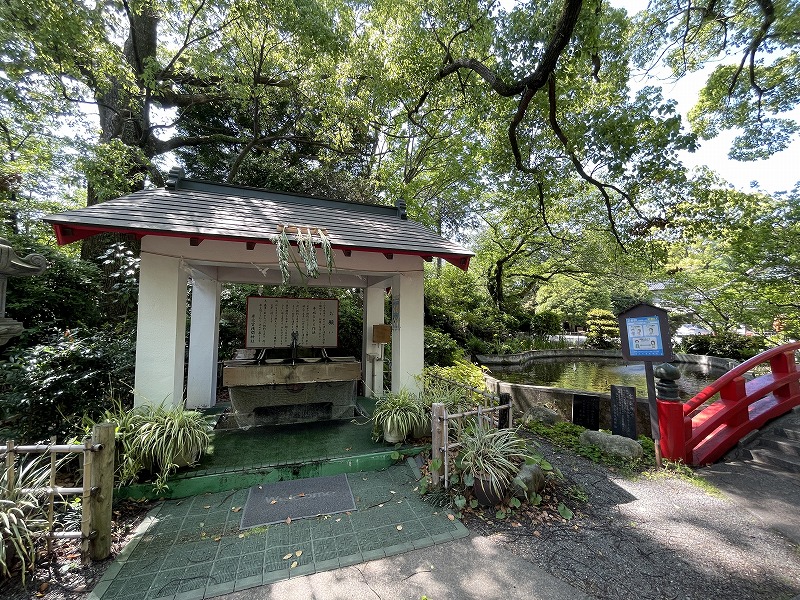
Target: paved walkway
{"type": "Point", "coordinates": [391, 547]}
{"type": "Point", "coordinates": [194, 548]}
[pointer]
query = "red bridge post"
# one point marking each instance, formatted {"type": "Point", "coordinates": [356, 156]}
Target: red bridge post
{"type": "Point", "coordinates": [672, 424]}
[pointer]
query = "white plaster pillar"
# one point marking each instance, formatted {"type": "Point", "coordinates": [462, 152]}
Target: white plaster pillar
{"type": "Point", "coordinates": [408, 331]}
{"type": "Point", "coordinates": [373, 353]}
{"type": "Point", "coordinates": [160, 331]}
{"type": "Point", "coordinates": [201, 383]}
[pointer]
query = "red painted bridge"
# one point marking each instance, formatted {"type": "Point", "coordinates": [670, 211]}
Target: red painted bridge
{"type": "Point", "coordinates": [706, 427]}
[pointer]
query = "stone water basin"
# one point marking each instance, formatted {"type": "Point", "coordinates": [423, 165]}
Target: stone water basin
{"type": "Point", "coordinates": [279, 392]}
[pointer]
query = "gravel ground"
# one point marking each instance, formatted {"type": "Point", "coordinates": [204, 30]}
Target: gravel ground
{"type": "Point", "coordinates": [648, 537]}
{"type": "Point", "coordinates": [652, 537]}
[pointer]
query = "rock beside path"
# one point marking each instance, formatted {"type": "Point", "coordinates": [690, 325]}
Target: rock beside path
{"type": "Point", "coordinates": [615, 445]}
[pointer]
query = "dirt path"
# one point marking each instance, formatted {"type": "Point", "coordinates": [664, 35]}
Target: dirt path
{"type": "Point", "coordinates": [653, 538]}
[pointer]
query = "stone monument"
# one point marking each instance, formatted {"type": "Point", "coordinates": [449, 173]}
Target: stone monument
{"type": "Point", "coordinates": [12, 265]}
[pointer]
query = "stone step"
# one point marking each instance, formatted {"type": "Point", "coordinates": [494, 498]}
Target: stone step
{"type": "Point", "coordinates": [772, 458]}
{"type": "Point", "coordinates": [782, 444]}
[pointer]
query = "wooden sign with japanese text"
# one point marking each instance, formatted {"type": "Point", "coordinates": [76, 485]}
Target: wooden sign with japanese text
{"type": "Point", "coordinates": [586, 411]}
{"type": "Point", "coordinates": [271, 322]}
{"type": "Point", "coordinates": [623, 411]}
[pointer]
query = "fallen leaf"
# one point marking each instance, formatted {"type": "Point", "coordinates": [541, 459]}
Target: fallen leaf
{"type": "Point", "coordinates": [392, 492]}
{"type": "Point", "coordinates": [451, 517]}
{"type": "Point", "coordinates": [241, 536]}
{"type": "Point", "coordinates": [274, 502]}
{"type": "Point", "coordinates": [339, 519]}
{"type": "Point", "coordinates": [288, 520]}
{"type": "Point", "coordinates": [71, 556]}
{"type": "Point", "coordinates": [261, 488]}
{"type": "Point", "coordinates": [288, 556]}
{"type": "Point", "coordinates": [217, 538]}
{"type": "Point", "coordinates": [348, 448]}
{"type": "Point", "coordinates": [236, 509]}
{"type": "Point", "coordinates": [207, 506]}
{"type": "Point", "coordinates": [293, 565]}
{"type": "Point", "coordinates": [299, 553]}
{"type": "Point", "coordinates": [380, 505]}
{"type": "Point", "coordinates": [301, 495]}
{"type": "Point", "coordinates": [537, 533]}
{"type": "Point", "coordinates": [43, 587]}
{"type": "Point", "coordinates": [399, 528]}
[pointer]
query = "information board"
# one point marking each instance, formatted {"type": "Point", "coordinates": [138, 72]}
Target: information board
{"type": "Point", "coordinates": [271, 322]}
{"type": "Point", "coordinates": [644, 333]}
{"type": "Point", "coordinates": [644, 336]}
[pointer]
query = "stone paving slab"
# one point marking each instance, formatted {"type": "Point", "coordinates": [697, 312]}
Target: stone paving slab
{"type": "Point", "coordinates": [193, 548]}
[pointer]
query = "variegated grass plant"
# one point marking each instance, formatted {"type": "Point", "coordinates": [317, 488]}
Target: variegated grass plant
{"type": "Point", "coordinates": [400, 412]}
{"type": "Point", "coordinates": [157, 439]}
{"type": "Point", "coordinates": [167, 438]}
{"type": "Point", "coordinates": [493, 455]}
{"type": "Point", "coordinates": [22, 515]}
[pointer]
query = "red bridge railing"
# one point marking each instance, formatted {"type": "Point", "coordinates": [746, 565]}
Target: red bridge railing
{"type": "Point", "coordinates": [700, 432]}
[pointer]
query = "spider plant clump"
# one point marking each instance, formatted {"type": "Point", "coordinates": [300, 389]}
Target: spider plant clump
{"type": "Point", "coordinates": [157, 439]}
{"type": "Point", "coordinates": [168, 438]}
{"type": "Point", "coordinates": [22, 516]}
{"type": "Point", "coordinates": [396, 415]}
{"type": "Point", "coordinates": [491, 455]}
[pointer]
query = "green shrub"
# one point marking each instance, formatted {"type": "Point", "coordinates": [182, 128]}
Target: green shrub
{"type": "Point", "coordinates": [463, 372]}
{"type": "Point", "coordinates": [441, 349]}
{"type": "Point", "coordinates": [546, 323]}
{"type": "Point", "coordinates": [725, 345]}
{"type": "Point", "coordinates": [602, 329]}
{"type": "Point", "coordinates": [48, 388]}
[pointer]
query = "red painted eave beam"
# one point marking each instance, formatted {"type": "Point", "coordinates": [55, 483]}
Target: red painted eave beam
{"type": "Point", "coordinates": [67, 234]}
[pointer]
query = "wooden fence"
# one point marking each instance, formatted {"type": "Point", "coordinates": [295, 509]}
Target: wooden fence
{"type": "Point", "coordinates": [96, 492]}
{"type": "Point", "coordinates": [499, 415]}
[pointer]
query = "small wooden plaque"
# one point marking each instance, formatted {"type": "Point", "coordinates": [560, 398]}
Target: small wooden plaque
{"type": "Point", "coordinates": [381, 334]}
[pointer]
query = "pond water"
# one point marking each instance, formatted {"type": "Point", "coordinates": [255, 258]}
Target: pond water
{"type": "Point", "coordinates": [598, 375]}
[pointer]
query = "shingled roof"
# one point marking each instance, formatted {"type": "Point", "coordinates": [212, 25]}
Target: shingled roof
{"type": "Point", "coordinates": [202, 210]}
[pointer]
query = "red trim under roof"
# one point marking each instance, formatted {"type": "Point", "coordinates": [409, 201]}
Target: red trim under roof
{"type": "Point", "coordinates": [67, 234]}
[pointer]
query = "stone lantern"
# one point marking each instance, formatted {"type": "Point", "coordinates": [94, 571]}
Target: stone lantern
{"type": "Point", "coordinates": [12, 265]}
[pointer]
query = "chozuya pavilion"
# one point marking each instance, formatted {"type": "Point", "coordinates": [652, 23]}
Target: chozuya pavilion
{"type": "Point", "coordinates": [217, 234]}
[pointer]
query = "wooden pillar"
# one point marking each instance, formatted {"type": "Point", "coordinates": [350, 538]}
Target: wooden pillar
{"type": "Point", "coordinates": [102, 483]}
{"type": "Point", "coordinates": [86, 500]}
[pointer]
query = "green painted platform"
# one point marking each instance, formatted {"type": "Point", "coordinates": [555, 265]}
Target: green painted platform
{"type": "Point", "coordinates": [240, 458]}
{"type": "Point", "coordinates": [193, 548]}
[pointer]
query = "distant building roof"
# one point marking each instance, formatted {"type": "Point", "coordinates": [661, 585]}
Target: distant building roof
{"type": "Point", "coordinates": [202, 210]}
